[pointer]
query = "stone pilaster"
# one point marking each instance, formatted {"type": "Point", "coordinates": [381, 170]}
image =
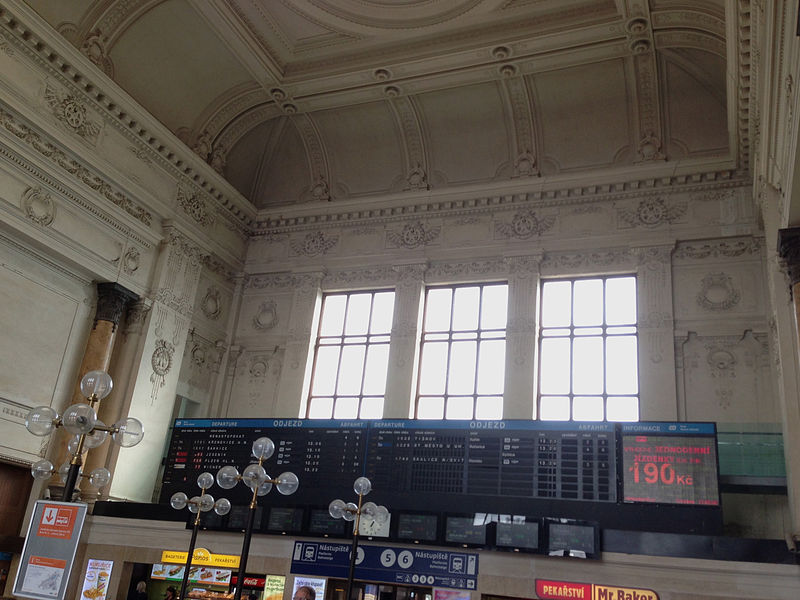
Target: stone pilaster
{"type": "Point", "coordinates": [401, 377]}
{"type": "Point", "coordinates": [521, 337]}
{"type": "Point", "coordinates": [658, 400]}
{"type": "Point", "coordinates": [152, 391]}
{"type": "Point", "coordinates": [296, 374]}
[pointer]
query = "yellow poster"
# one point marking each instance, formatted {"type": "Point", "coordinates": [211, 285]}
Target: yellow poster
{"type": "Point", "coordinates": [273, 587]}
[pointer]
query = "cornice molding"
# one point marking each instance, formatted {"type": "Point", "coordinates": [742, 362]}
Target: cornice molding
{"type": "Point", "coordinates": [18, 24]}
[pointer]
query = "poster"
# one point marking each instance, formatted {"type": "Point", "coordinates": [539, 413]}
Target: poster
{"type": "Point", "coordinates": [43, 576]}
{"type": "Point", "coordinates": [273, 587]}
{"type": "Point", "coordinates": [95, 580]}
{"type": "Point", "coordinates": [318, 585]}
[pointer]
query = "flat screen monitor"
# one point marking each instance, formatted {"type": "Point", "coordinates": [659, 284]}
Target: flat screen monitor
{"type": "Point", "coordinates": [283, 519]}
{"type": "Point", "coordinates": [573, 538]}
{"type": "Point", "coordinates": [519, 536]}
{"type": "Point", "coordinates": [670, 463]}
{"type": "Point", "coordinates": [237, 518]}
{"type": "Point", "coordinates": [462, 530]}
{"type": "Point", "coordinates": [322, 523]}
{"type": "Point", "coordinates": [417, 527]}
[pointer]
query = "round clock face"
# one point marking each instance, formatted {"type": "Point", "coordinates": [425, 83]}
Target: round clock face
{"type": "Point", "coordinates": [374, 529]}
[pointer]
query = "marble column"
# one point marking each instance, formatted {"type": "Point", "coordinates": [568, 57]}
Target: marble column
{"type": "Point", "coordinates": [658, 396]}
{"type": "Point", "coordinates": [519, 394]}
{"type": "Point", "coordinates": [295, 376]}
{"type": "Point", "coordinates": [404, 345]}
{"type": "Point", "coordinates": [152, 388]}
{"type": "Point", "coordinates": [112, 299]}
{"type": "Point", "coordinates": [789, 251]}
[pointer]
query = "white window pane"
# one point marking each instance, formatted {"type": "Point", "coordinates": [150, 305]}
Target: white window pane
{"type": "Point", "coordinates": [320, 408]}
{"type": "Point", "coordinates": [490, 407]}
{"type": "Point", "coordinates": [382, 313]}
{"type": "Point", "coordinates": [430, 408]}
{"type": "Point", "coordinates": [621, 371]}
{"type": "Point", "coordinates": [491, 367]}
{"type": "Point", "coordinates": [351, 370]}
{"type": "Point", "coordinates": [556, 303]}
{"type": "Point", "coordinates": [461, 377]}
{"type": "Point", "coordinates": [465, 308]}
{"type": "Point", "coordinates": [437, 310]}
{"type": "Point", "coordinates": [587, 408]}
{"type": "Point", "coordinates": [371, 408]}
{"type": "Point", "coordinates": [494, 310]}
{"type": "Point", "coordinates": [433, 368]}
{"type": "Point", "coordinates": [554, 374]}
{"type": "Point", "coordinates": [346, 408]}
{"type": "Point", "coordinates": [587, 365]}
{"type": "Point", "coordinates": [332, 320]}
{"type": "Point", "coordinates": [357, 314]}
{"type": "Point", "coordinates": [554, 408]}
{"type": "Point", "coordinates": [624, 408]}
{"type": "Point", "coordinates": [621, 301]}
{"type": "Point", "coordinates": [376, 369]}
{"type": "Point", "coordinates": [459, 407]}
{"type": "Point", "coordinates": [325, 371]}
{"type": "Point", "coordinates": [588, 298]}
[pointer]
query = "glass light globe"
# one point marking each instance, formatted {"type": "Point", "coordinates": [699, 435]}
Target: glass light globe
{"type": "Point", "coordinates": [42, 470]}
{"type": "Point", "coordinates": [99, 477]}
{"type": "Point", "coordinates": [41, 420]}
{"type": "Point", "coordinates": [97, 384]}
{"type": "Point", "coordinates": [350, 511]}
{"type": "Point", "coordinates": [63, 471]}
{"type": "Point", "coordinates": [381, 515]}
{"type": "Point", "coordinates": [227, 477]}
{"type": "Point", "coordinates": [265, 487]}
{"type": "Point", "coordinates": [129, 432]}
{"type": "Point", "coordinates": [79, 419]}
{"type": "Point", "coordinates": [222, 506]}
{"type": "Point", "coordinates": [263, 448]}
{"type": "Point", "coordinates": [205, 480]}
{"type": "Point", "coordinates": [96, 437]}
{"type": "Point", "coordinates": [368, 510]}
{"type": "Point", "coordinates": [72, 445]}
{"type": "Point", "coordinates": [362, 486]}
{"type": "Point", "coordinates": [194, 505]}
{"type": "Point", "coordinates": [254, 475]}
{"type": "Point", "coordinates": [178, 500]}
{"type": "Point", "coordinates": [287, 483]}
{"type": "Point", "coordinates": [206, 502]}
{"type": "Point", "coordinates": [336, 508]}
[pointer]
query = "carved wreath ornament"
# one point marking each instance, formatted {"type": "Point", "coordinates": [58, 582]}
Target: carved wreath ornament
{"type": "Point", "coordinates": [162, 358]}
{"type": "Point", "coordinates": [717, 292]}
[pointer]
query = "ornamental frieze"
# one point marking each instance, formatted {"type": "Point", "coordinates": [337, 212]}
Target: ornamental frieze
{"type": "Point", "coordinates": [653, 212]}
{"type": "Point", "coordinates": [314, 244]}
{"type": "Point", "coordinates": [194, 206]}
{"type": "Point", "coordinates": [727, 248]}
{"type": "Point", "coordinates": [717, 292]}
{"type": "Point", "coordinates": [72, 112]}
{"type": "Point", "coordinates": [525, 225]}
{"type": "Point", "coordinates": [38, 206]}
{"type": "Point", "coordinates": [413, 235]}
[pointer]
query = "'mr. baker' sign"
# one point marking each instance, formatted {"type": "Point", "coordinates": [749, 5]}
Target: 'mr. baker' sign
{"type": "Point", "coordinates": [568, 590]}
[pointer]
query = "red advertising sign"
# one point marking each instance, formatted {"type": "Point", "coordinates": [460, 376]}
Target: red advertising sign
{"type": "Point", "coordinates": [568, 590]}
{"type": "Point", "coordinates": [57, 521]}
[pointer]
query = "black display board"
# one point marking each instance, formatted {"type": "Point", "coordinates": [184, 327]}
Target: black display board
{"type": "Point", "coordinates": [670, 463]}
{"type": "Point", "coordinates": [510, 468]}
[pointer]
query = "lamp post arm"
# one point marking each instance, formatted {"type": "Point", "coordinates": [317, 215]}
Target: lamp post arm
{"type": "Point", "coordinates": [248, 534]}
{"type": "Point", "coordinates": [353, 551]}
{"type": "Point", "coordinates": [74, 471]}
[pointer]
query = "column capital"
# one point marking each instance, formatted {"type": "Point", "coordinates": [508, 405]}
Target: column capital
{"type": "Point", "coordinates": [112, 299]}
{"type": "Point", "coordinates": [789, 251]}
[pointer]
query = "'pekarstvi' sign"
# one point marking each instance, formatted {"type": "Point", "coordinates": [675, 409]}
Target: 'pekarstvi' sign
{"type": "Point", "coordinates": [570, 590]}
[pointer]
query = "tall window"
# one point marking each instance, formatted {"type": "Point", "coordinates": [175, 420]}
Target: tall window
{"type": "Point", "coordinates": [351, 356]}
{"type": "Point", "coordinates": [462, 358]}
{"type": "Point", "coordinates": [588, 367]}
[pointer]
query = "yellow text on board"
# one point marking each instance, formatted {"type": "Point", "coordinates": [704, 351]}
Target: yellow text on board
{"type": "Point", "coordinates": [201, 556]}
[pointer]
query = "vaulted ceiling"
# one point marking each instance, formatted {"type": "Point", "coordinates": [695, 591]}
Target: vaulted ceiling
{"type": "Point", "coordinates": [298, 101]}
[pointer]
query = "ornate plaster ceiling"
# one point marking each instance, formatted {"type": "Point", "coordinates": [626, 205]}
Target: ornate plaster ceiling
{"type": "Point", "coordinates": [298, 101]}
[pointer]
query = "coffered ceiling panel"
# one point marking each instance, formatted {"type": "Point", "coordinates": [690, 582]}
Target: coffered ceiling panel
{"type": "Point", "coordinates": [298, 101]}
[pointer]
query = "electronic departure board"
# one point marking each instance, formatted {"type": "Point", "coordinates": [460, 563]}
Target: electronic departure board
{"type": "Point", "coordinates": [670, 463]}
{"type": "Point", "coordinates": [526, 459]}
{"type": "Point", "coordinates": [518, 536]}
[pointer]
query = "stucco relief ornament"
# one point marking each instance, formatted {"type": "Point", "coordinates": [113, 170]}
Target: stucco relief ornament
{"type": "Point", "coordinates": [161, 361]}
{"type": "Point", "coordinates": [72, 113]}
{"type": "Point", "coordinates": [652, 212]}
{"type": "Point", "coordinates": [525, 224]}
{"type": "Point", "coordinates": [211, 304]}
{"type": "Point", "coordinates": [94, 47]}
{"type": "Point", "coordinates": [417, 179]}
{"type": "Point", "coordinates": [314, 244]}
{"type": "Point", "coordinates": [194, 206]}
{"type": "Point", "coordinates": [525, 165]}
{"type": "Point", "coordinates": [38, 206]}
{"type": "Point", "coordinates": [266, 316]}
{"type": "Point", "coordinates": [320, 191]}
{"type": "Point", "coordinates": [198, 356]}
{"type": "Point", "coordinates": [413, 235]}
{"type": "Point", "coordinates": [717, 292]}
{"type": "Point", "coordinates": [650, 147]}
{"type": "Point", "coordinates": [130, 261]}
